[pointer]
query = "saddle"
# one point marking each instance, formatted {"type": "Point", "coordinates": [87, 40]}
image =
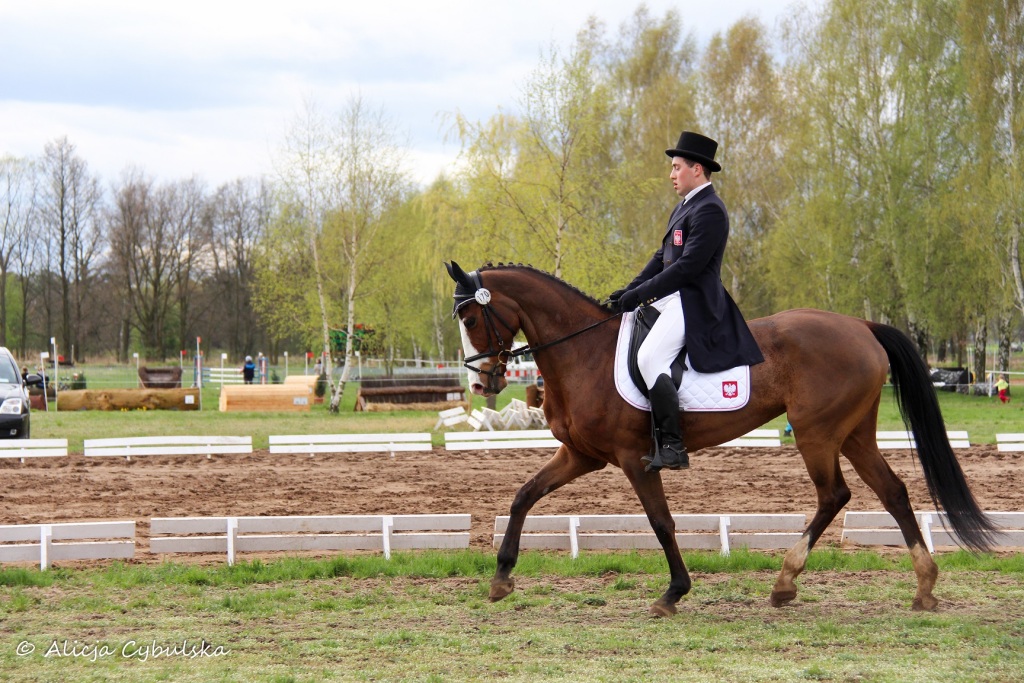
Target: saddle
{"type": "Point", "coordinates": [643, 321]}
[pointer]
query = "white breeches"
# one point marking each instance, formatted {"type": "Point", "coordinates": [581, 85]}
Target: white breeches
{"type": "Point", "coordinates": [664, 341]}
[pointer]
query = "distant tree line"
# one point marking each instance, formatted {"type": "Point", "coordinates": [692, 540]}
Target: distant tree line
{"type": "Point", "coordinates": [873, 154]}
{"type": "Point", "coordinates": [136, 266]}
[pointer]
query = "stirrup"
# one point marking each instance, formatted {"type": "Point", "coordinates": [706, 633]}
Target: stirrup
{"type": "Point", "coordinates": [657, 463]}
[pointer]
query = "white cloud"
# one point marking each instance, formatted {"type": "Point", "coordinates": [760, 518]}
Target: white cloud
{"type": "Point", "coordinates": [208, 88]}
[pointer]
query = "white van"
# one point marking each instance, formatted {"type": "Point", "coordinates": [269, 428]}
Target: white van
{"type": "Point", "coordinates": [521, 369]}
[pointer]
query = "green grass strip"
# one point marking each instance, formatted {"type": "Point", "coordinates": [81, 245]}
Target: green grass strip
{"type": "Point", "coordinates": [480, 564]}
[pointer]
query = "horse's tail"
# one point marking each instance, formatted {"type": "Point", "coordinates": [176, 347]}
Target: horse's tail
{"type": "Point", "coordinates": [919, 407]}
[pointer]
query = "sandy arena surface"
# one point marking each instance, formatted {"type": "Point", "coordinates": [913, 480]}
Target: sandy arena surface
{"type": "Point", "coordinates": [720, 480]}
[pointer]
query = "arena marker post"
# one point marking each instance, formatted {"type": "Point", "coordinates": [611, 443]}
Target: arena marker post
{"type": "Point", "coordinates": [232, 537]}
{"type": "Point", "coordinates": [386, 525]}
{"type": "Point", "coordinates": [574, 540]}
{"type": "Point", "coordinates": [45, 545]}
{"type": "Point", "coordinates": [926, 531]}
{"type": "Point", "coordinates": [723, 533]}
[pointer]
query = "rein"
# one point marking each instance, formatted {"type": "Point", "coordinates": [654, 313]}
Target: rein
{"type": "Point", "coordinates": [535, 349]}
{"type": "Point", "coordinates": [483, 297]}
{"type": "Point", "coordinates": [503, 354]}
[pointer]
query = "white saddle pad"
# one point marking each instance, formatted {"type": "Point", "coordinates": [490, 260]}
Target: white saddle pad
{"type": "Point", "coordinates": [700, 392]}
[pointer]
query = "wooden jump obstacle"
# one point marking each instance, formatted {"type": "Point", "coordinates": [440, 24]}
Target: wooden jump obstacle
{"type": "Point", "coordinates": [411, 393]}
{"type": "Point", "coordinates": [160, 378]}
{"type": "Point", "coordinates": [288, 397]}
{"type": "Point", "coordinates": [129, 399]}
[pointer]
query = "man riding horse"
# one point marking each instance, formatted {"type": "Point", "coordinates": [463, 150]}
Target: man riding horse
{"type": "Point", "coordinates": [683, 283]}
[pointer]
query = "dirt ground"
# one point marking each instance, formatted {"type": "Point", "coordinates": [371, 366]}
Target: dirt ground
{"type": "Point", "coordinates": [483, 484]}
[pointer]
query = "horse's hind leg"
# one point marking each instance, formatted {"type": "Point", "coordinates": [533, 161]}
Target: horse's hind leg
{"type": "Point", "coordinates": [861, 450]}
{"type": "Point", "coordinates": [822, 461]}
{"type": "Point", "coordinates": [563, 467]}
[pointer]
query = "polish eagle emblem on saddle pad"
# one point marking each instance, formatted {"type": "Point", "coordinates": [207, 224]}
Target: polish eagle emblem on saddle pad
{"type": "Point", "coordinates": [698, 392]}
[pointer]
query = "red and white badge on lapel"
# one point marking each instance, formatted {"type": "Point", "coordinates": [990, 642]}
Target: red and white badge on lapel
{"type": "Point", "coordinates": [677, 238]}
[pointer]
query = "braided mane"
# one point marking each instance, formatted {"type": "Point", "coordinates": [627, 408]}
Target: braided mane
{"type": "Point", "coordinates": [520, 266]}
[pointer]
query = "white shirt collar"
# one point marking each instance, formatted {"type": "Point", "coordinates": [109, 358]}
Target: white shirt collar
{"type": "Point", "coordinates": [691, 193]}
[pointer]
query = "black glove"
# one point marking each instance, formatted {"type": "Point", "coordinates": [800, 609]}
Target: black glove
{"type": "Point", "coordinates": [613, 298]}
{"type": "Point", "coordinates": [628, 301]}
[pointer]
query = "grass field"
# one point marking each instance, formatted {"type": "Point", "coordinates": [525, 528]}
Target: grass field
{"type": "Point", "coordinates": [982, 417]}
{"type": "Point", "coordinates": [425, 617]}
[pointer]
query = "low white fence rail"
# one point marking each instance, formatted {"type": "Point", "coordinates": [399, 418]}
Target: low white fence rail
{"type": "Point", "coordinates": [350, 443]}
{"type": "Point", "coordinates": [879, 528]}
{"type": "Point", "coordinates": [33, 448]}
{"type": "Point", "coordinates": [525, 438]}
{"type": "Point", "coordinates": [167, 445]}
{"type": "Point", "coordinates": [1010, 443]}
{"type": "Point", "coordinates": [759, 438]}
{"type": "Point", "coordinates": [47, 543]}
{"type": "Point", "coordinates": [901, 439]}
{"type": "Point", "coordinates": [605, 532]}
{"type": "Point", "coordinates": [232, 535]}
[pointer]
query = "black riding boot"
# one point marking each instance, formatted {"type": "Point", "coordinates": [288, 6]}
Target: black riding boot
{"type": "Point", "coordinates": [671, 452]}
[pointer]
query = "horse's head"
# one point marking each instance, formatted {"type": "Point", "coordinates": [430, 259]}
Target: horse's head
{"type": "Point", "coordinates": [488, 322]}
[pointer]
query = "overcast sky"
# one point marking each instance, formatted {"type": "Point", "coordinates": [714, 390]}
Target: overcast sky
{"type": "Point", "coordinates": [208, 88]}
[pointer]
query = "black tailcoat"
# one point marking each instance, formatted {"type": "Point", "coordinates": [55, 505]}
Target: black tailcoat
{"type": "Point", "coordinates": [690, 262]}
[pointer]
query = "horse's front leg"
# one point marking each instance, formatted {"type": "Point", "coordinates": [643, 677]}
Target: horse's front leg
{"type": "Point", "coordinates": [563, 467]}
{"type": "Point", "coordinates": [651, 493]}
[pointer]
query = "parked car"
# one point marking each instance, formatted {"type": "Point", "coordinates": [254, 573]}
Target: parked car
{"type": "Point", "coordinates": [14, 404]}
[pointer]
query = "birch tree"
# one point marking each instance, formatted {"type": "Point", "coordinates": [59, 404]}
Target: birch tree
{"type": "Point", "coordinates": [369, 181]}
{"type": "Point", "coordinates": [305, 172]}
{"type": "Point", "coordinates": [339, 176]}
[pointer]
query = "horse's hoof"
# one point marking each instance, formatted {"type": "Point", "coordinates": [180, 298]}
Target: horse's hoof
{"type": "Point", "coordinates": [501, 588]}
{"type": "Point", "coordinates": [660, 609]}
{"type": "Point", "coordinates": [782, 598]}
{"type": "Point", "coordinates": [926, 604]}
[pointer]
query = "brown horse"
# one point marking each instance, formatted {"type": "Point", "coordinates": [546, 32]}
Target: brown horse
{"type": "Point", "coordinates": [825, 370]}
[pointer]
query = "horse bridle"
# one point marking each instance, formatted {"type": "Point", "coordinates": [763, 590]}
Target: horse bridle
{"type": "Point", "coordinates": [482, 296]}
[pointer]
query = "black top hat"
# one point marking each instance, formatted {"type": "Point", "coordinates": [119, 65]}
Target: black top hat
{"type": "Point", "coordinates": [696, 147]}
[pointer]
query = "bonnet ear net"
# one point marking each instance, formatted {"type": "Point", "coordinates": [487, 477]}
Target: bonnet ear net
{"type": "Point", "coordinates": [468, 287]}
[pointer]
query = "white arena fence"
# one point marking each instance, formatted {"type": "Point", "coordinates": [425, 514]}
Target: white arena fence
{"type": "Point", "coordinates": [617, 532]}
{"type": "Point", "coordinates": [51, 542]}
{"type": "Point", "coordinates": [33, 448]}
{"type": "Point", "coordinates": [47, 543]}
{"type": "Point", "coordinates": [383, 533]}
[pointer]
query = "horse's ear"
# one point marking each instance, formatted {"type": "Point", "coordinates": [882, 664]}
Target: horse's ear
{"type": "Point", "coordinates": [456, 273]}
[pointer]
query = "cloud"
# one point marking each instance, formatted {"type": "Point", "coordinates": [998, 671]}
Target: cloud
{"type": "Point", "coordinates": [209, 87]}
